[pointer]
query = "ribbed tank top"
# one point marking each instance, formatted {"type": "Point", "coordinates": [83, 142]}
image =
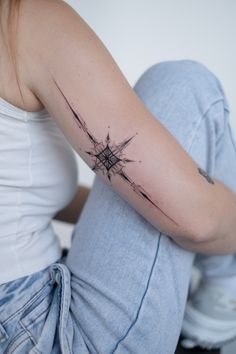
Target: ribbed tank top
{"type": "Point", "coordinates": [38, 177]}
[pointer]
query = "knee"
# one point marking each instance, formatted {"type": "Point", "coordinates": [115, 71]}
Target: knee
{"type": "Point", "coordinates": [181, 68]}
{"type": "Point", "coordinates": [188, 75]}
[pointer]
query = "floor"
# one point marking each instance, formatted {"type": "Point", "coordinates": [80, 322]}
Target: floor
{"type": "Point", "coordinates": [229, 349]}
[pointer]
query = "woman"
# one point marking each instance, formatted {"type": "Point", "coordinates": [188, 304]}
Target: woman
{"type": "Point", "coordinates": [123, 286]}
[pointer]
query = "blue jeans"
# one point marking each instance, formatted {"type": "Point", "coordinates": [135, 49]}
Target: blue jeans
{"type": "Point", "coordinates": [123, 286]}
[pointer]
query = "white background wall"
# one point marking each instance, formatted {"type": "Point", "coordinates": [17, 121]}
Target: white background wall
{"type": "Point", "coordinates": [139, 33]}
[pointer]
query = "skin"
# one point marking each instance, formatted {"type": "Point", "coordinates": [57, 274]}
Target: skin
{"type": "Point", "coordinates": [108, 159]}
{"type": "Point", "coordinates": [73, 210]}
{"type": "Point", "coordinates": [82, 87]}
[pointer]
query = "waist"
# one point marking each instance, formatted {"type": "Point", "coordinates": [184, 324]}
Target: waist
{"type": "Point", "coordinates": [26, 253]}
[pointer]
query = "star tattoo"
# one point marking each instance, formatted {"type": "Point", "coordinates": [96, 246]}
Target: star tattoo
{"type": "Point", "coordinates": [108, 158]}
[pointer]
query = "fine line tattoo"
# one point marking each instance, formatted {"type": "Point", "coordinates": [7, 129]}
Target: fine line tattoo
{"type": "Point", "coordinates": [205, 175]}
{"type": "Point", "coordinates": [109, 158]}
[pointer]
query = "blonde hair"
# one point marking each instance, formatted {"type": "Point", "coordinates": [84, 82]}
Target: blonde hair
{"type": "Point", "coordinates": [11, 9]}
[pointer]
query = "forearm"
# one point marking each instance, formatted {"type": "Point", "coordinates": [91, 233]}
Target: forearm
{"type": "Point", "coordinates": [73, 210]}
{"type": "Point", "coordinates": [222, 237]}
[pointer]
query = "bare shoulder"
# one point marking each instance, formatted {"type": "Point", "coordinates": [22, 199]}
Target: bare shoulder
{"type": "Point", "coordinates": [58, 43]}
{"type": "Point", "coordinates": [45, 13]}
{"type": "Point", "coordinates": [44, 25]}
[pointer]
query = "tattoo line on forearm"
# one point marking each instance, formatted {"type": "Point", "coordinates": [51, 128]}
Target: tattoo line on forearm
{"type": "Point", "coordinates": [205, 175]}
{"type": "Point", "coordinates": [108, 158]}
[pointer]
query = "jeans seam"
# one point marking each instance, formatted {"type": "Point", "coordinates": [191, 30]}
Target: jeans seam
{"type": "Point", "coordinates": [232, 137]}
{"type": "Point", "coordinates": [143, 297]}
{"type": "Point", "coordinates": [188, 149]}
{"type": "Point", "coordinates": [18, 344]}
{"type": "Point", "coordinates": [28, 303]}
{"type": "Point", "coordinates": [28, 333]}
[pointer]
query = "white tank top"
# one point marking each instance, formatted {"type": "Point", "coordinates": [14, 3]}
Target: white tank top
{"type": "Point", "coordinates": [38, 177]}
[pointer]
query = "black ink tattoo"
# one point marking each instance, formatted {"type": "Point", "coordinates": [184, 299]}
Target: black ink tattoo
{"type": "Point", "coordinates": [205, 175]}
{"type": "Point", "coordinates": [108, 158]}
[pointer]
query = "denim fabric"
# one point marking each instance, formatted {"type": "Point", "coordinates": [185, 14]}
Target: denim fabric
{"type": "Point", "coordinates": [123, 286]}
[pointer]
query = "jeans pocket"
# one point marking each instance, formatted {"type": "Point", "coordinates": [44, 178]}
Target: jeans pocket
{"type": "Point", "coordinates": [34, 317]}
{"type": "Point", "coordinates": [31, 322]}
{"type": "Point", "coordinates": [20, 344]}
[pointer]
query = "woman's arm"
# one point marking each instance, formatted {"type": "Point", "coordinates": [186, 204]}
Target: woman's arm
{"type": "Point", "coordinates": [222, 238]}
{"type": "Point", "coordinates": [73, 210]}
{"type": "Point", "coordinates": [79, 83]}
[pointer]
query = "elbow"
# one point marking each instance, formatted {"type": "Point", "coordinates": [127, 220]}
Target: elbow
{"type": "Point", "coordinates": [197, 238]}
{"type": "Point", "coordinates": [197, 226]}
{"type": "Point", "coordinates": [205, 231]}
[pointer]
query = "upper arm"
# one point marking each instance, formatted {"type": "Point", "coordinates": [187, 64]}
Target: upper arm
{"type": "Point", "coordinates": [79, 83]}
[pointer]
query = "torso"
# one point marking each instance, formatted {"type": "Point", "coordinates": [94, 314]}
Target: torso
{"type": "Point", "coordinates": [10, 93]}
{"type": "Point", "coordinates": [9, 90]}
